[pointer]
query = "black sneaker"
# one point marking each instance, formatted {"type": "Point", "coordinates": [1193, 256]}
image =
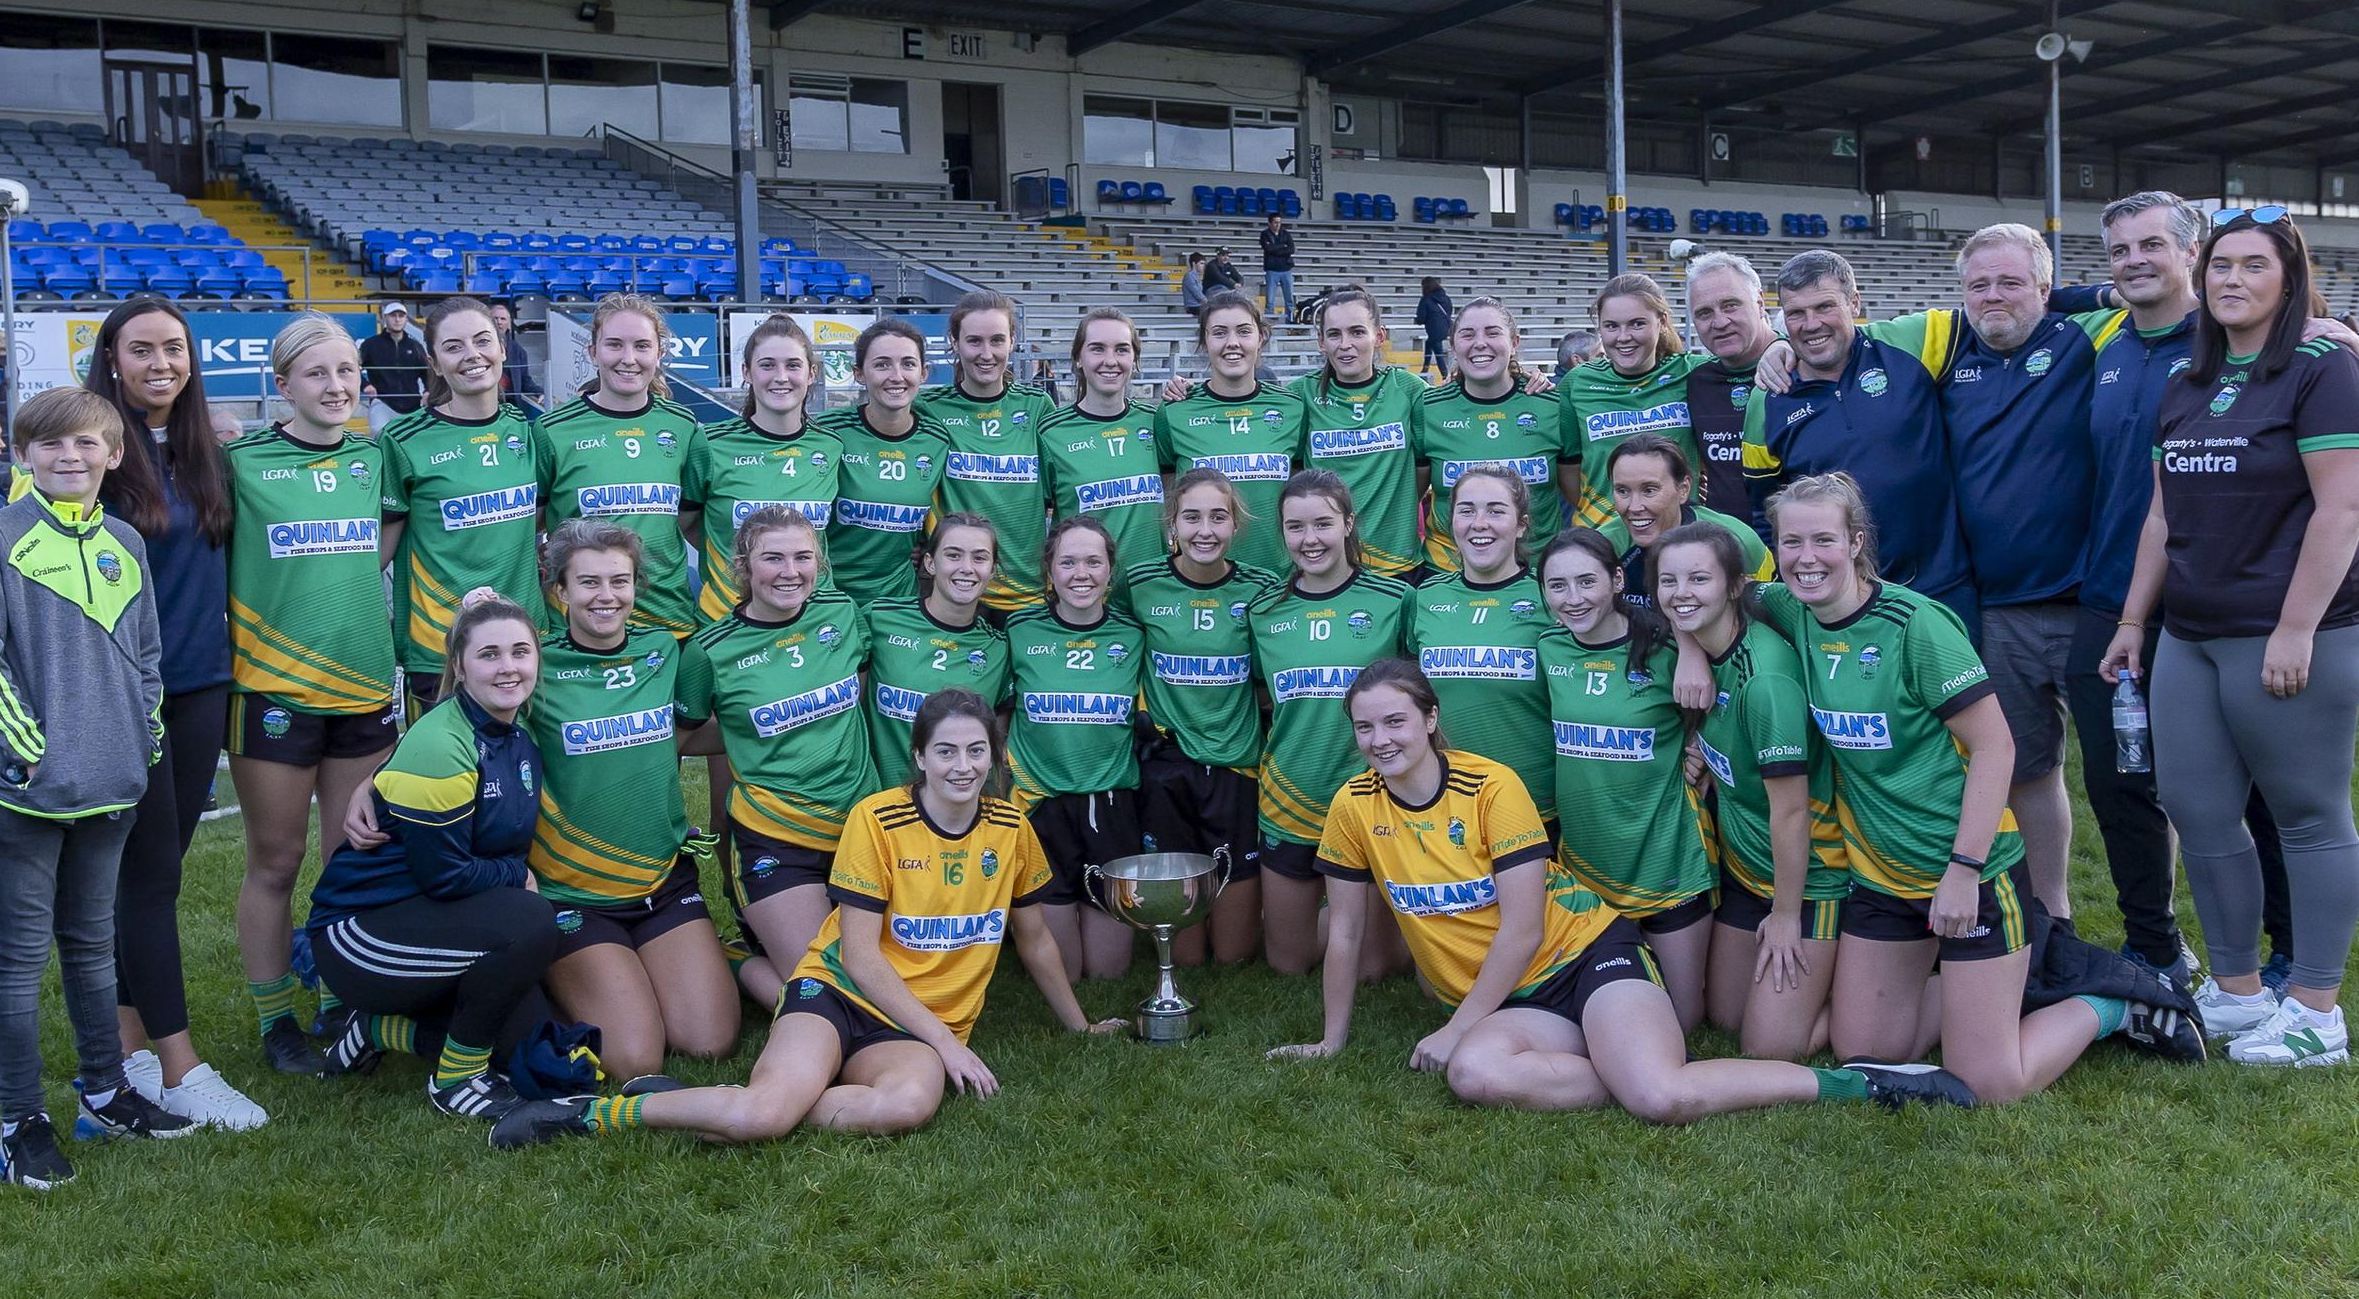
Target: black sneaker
{"type": "Point", "coordinates": [289, 1051]}
{"type": "Point", "coordinates": [484, 1096]}
{"type": "Point", "coordinates": [533, 1123]}
{"type": "Point", "coordinates": [2158, 1030]}
{"type": "Point", "coordinates": [349, 1049]}
{"type": "Point", "coordinates": [649, 1084]}
{"type": "Point", "coordinates": [129, 1114]}
{"type": "Point", "coordinates": [32, 1156]}
{"type": "Point", "coordinates": [1895, 1085]}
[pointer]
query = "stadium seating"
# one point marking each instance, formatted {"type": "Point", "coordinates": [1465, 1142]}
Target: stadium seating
{"type": "Point", "coordinates": [462, 217]}
{"type": "Point", "coordinates": [103, 226]}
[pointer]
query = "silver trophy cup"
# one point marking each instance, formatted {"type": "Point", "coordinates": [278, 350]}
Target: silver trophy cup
{"type": "Point", "coordinates": [1163, 893]}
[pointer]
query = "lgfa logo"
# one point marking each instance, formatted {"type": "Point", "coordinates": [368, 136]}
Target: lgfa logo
{"type": "Point", "coordinates": [1738, 395]}
{"type": "Point", "coordinates": [2225, 399]}
{"type": "Point", "coordinates": [2039, 362]}
{"type": "Point", "coordinates": [1874, 382]}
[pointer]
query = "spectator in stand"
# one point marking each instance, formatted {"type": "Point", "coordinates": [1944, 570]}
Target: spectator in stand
{"type": "Point", "coordinates": [392, 362]}
{"type": "Point", "coordinates": [1192, 285]}
{"type": "Point", "coordinates": [1575, 349]}
{"type": "Point", "coordinates": [516, 379]}
{"type": "Point", "coordinates": [1436, 313]}
{"type": "Point", "coordinates": [226, 425]}
{"type": "Point", "coordinates": [1277, 267]}
{"type": "Point", "coordinates": [1221, 273]}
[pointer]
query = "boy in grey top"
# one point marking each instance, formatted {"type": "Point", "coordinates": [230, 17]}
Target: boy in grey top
{"type": "Point", "coordinates": [80, 689]}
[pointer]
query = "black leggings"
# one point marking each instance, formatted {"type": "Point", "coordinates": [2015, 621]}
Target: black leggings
{"type": "Point", "coordinates": [470, 968]}
{"type": "Point", "coordinates": [147, 893]}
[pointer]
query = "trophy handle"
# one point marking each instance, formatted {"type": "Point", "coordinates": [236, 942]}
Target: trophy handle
{"type": "Point", "coordinates": [1220, 858]}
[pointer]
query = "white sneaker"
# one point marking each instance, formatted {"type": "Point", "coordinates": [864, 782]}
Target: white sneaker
{"type": "Point", "coordinates": [2296, 1035]}
{"type": "Point", "coordinates": [145, 1073]}
{"type": "Point", "coordinates": [2228, 1014]}
{"type": "Point", "coordinates": [206, 1097]}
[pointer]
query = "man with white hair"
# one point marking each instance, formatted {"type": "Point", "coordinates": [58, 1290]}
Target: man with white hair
{"type": "Point", "coordinates": [1724, 306]}
{"type": "Point", "coordinates": [2015, 397]}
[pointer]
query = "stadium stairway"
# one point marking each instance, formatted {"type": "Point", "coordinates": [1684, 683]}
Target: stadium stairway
{"type": "Point", "coordinates": [326, 277]}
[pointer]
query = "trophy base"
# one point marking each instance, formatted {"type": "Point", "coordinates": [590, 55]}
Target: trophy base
{"type": "Point", "coordinates": [1165, 1025]}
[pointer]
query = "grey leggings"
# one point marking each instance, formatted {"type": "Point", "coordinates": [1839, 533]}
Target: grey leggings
{"type": "Point", "coordinates": [2217, 733]}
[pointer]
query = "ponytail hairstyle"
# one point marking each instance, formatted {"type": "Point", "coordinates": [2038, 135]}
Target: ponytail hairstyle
{"type": "Point", "coordinates": [974, 304]}
{"type": "Point", "coordinates": [1650, 295]}
{"type": "Point", "coordinates": [437, 318]}
{"type": "Point", "coordinates": [472, 618]}
{"type": "Point", "coordinates": [1326, 483]}
{"type": "Point", "coordinates": [1841, 490]}
{"type": "Point", "coordinates": [886, 327]}
{"type": "Point", "coordinates": [1405, 676]}
{"type": "Point", "coordinates": [1066, 527]}
{"type": "Point", "coordinates": [1519, 494]}
{"type": "Point", "coordinates": [1230, 300]}
{"type": "Point", "coordinates": [134, 491]}
{"type": "Point", "coordinates": [1649, 631]}
{"type": "Point", "coordinates": [1204, 476]}
{"type": "Point", "coordinates": [1727, 556]}
{"type": "Point", "coordinates": [761, 523]}
{"type": "Point", "coordinates": [940, 707]}
{"type": "Point", "coordinates": [776, 326]}
{"type": "Point", "coordinates": [1348, 295]}
{"type": "Point", "coordinates": [615, 304]}
{"type": "Point", "coordinates": [1515, 335]}
{"type": "Point", "coordinates": [306, 331]}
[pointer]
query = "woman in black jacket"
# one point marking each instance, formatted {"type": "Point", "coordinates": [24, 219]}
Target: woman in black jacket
{"type": "Point", "coordinates": [1436, 313]}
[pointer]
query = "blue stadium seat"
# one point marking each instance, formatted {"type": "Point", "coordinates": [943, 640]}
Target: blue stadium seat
{"type": "Point", "coordinates": [1060, 194]}
{"type": "Point", "coordinates": [1248, 201]}
{"type": "Point", "coordinates": [1225, 196]}
{"type": "Point", "coordinates": [1133, 192]}
{"type": "Point", "coordinates": [1109, 191]}
{"type": "Point", "coordinates": [1347, 207]}
{"type": "Point", "coordinates": [24, 231]}
{"type": "Point", "coordinates": [1201, 201]}
{"type": "Point", "coordinates": [1385, 211]}
{"type": "Point", "coordinates": [1421, 209]}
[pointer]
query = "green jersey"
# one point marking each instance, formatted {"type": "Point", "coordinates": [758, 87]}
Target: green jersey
{"type": "Point", "coordinates": [1456, 432]}
{"type": "Point", "coordinates": [1106, 468]}
{"type": "Point", "coordinates": [1255, 439]}
{"type": "Point", "coordinates": [307, 623]}
{"type": "Point", "coordinates": [468, 494]}
{"type": "Point", "coordinates": [1632, 828]}
{"type": "Point", "coordinates": [883, 499]}
{"type": "Point", "coordinates": [1200, 660]}
{"type": "Point", "coordinates": [595, 463]}
{"type": "Point", "coordinates": [1478, 644]}
{"type": "Point", "coordinates": [912, 655]}
{"type": "Point", "coordinates": [1758, 729]}
{"type": "Point", "coordinates": [1602, 407]}
{"type": "Point", "coordinates": [1883, 684]}
{"type": "Point", "coordinates": [1308, 650]}
{"type": "Point", "coordinates": [1075, 687]}
{"type": "Point", "coordinates": [1638, 578]}
{"type": "Point", "coordinates": [994, 471]}
{"type": "Point", "coordinates": [612, 821]}
{"type": "Point", "coordinates": [739, 469]}
{"type": "Point", "coordinates": [786, 696]}
{"type": "Point", "coordinates": [1364, 434]}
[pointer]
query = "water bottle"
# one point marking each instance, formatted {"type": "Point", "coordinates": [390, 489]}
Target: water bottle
{"type": "Point", "coordinates": [2133, 745]}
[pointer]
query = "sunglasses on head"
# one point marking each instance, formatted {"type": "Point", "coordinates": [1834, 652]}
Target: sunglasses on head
{"type": "Point", "coordinates": [2267, 215]}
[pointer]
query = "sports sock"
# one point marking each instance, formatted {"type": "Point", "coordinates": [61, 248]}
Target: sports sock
{"type": "Point", "coordinates": [329, 1002]}
{"type": "Point", "coordinates": [7, 1129]}
{"type": "Point", "coordinates": [2112, 1012]}
{"type": "Point", "coordinates": [273, 1000]}
{"type": "Point", "coordinates": [100, 1100]}
{"type": "Point", "coordinates": [395, 1033]}
{"type": "Point", "coordinates": [459, 1063]}
{"type": "Point", "coordinates": [612, 1113]}
{"type": "Point", "coordinates": [1841, 1085]}
{"type": "Point", "coordinates": [734, 951]}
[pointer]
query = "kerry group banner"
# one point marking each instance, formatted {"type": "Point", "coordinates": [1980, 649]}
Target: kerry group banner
{"type": "Point", "coordinates": [233, 348]}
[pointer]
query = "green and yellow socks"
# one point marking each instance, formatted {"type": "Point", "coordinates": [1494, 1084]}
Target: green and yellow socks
{"type": "Point", "coordinates": [460, 1062]}
{"type": "Point", "coordinates": [609, 1114]}
{"type": "Point", "coordinates": [273, 1001]}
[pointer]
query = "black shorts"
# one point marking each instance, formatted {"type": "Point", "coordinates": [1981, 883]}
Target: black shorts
{"type": "Point", "coordinates": [1741, 908]}
{"type": "Point", "coordinates": [1694, 911]}
{"type": "Point", "coordinates": [425, 691]}
{"type": "Point", "coordinates": [1078, 831]}
{"type": "Point", "coordinates": [855, 1028]}
{"type": "Point", "coordinates": [264, 729]}
{"type": "Point", "coordinates": [1619, 953]}
{"type": "Point", "coordinates": [1191, 807]}
{"type": "Point", "coordinates": [2002, 923]}
{"type": "Point", "coordinates": [1293, 861]}
{"type": "Point", "coordinates": [677, 901]}
{"type": "Point", "coordinates": [767, 867]}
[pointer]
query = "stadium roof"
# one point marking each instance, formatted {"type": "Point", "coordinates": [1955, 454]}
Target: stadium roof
{"type": "Point", "coordinates": [2250, 79]}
